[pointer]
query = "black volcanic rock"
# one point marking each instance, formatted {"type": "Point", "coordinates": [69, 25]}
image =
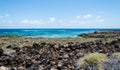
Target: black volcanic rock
{"type": "Point", "coordinates": [1, 52]}
{"type": "Point", "coordinates": [102, 34]}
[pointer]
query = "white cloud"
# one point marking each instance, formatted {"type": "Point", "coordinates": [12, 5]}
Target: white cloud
{"type": "Point", "coordinates": [84, 22]}
{"type": "Point", "coordinates": [87, 19]}
{"type": "Point", "coordinates": [1, 17]}
{"type": "Point", "coordinates": [100, 12]}
{"type": "Point", "coordinates": [82, 19]}
{"type": "Point", "coordinates": [100, 20]}
{"type": "Point", "coordinates": [6, 21]}
{"type": "Point", "coordinates": [87, 16]}
{"type": "Point", "coordinates": [98, 17]}
{"type": "Point", "coordinates": [9, 21]}
{"type": "Point", "coordinates": [52, 19]}
{"type": "Point", "coordinates": [26, 21]}
{"type": "Point", "coordinates": [78, 17]}
{"type": "Point", "coordinates": [4, 16]}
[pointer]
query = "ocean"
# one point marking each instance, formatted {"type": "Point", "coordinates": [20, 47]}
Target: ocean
{"type": "Point", "coordinates": [47, 33]}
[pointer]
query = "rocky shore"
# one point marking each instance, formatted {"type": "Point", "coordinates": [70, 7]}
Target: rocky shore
{"type": "Point", "coordinates": [18, 53]}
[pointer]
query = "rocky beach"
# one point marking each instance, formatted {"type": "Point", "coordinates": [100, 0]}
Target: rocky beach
{"type": "Point", "coordinates": [59, 35]}
{"type": "Point", "coordinates": [20, 53]}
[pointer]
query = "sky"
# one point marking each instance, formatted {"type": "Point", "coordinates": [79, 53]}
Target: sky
{"type": "Point", "coordinates": [59, 14]}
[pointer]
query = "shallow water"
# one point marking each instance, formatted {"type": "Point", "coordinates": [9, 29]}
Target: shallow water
{"type": "Point", "coordinates": [46, 33]}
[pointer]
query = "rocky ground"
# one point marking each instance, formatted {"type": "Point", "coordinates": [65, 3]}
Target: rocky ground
{"type": "Point", "coordinates": [18, 53]}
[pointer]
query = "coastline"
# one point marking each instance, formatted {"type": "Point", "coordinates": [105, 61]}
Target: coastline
{"type": "Point", "coordinates": [46, 33]}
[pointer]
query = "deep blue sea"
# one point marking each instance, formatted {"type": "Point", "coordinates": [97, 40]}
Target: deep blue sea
{"type": "Point", "coordinates": [47, 33]}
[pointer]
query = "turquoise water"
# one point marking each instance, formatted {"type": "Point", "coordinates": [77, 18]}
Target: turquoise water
{"type": "Point", "coordinates": [46, 33]}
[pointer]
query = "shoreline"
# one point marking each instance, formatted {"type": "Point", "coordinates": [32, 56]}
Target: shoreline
{"type": "Point", "coordinates": [48, 33]}
{"type": "Point", "coordinates": [45, 33]}
{"type": "Point", "coordinates": [25, 32]}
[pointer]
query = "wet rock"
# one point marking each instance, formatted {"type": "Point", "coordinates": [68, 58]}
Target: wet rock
{"type": "Point", "coordinates": [96, 32]}
{"type": "Point", "coordinates": [82, 35]}
{"type": "Point", "coordinates": [101, 34]}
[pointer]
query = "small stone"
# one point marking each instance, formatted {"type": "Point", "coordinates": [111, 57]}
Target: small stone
{"type": "Point", "coordinates": [28, 58]}
{"type": "Point", "coordinates": [56, 46]}
{"type": "Point", "coordinates": [59, 64]}
{"type": "Point", "coordinates": [52, 68]}
{"type": "Point", "coordinates": [53, 62]}
{"type": "Point", "coordinates": [66, 45]}
{"type": "Point", "coordinates": [40, 67]}
{"type": "Point", "coordinates": [66, 56]}
{"type": "Point", "coordinates": [21, 68]}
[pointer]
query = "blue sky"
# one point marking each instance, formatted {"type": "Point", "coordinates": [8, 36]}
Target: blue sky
{"type": "Point", "coordinates": [59, 13]}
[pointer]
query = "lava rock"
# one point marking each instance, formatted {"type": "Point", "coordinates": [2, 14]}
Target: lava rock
{"type": "Point", "coordinates": [1, 52]}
